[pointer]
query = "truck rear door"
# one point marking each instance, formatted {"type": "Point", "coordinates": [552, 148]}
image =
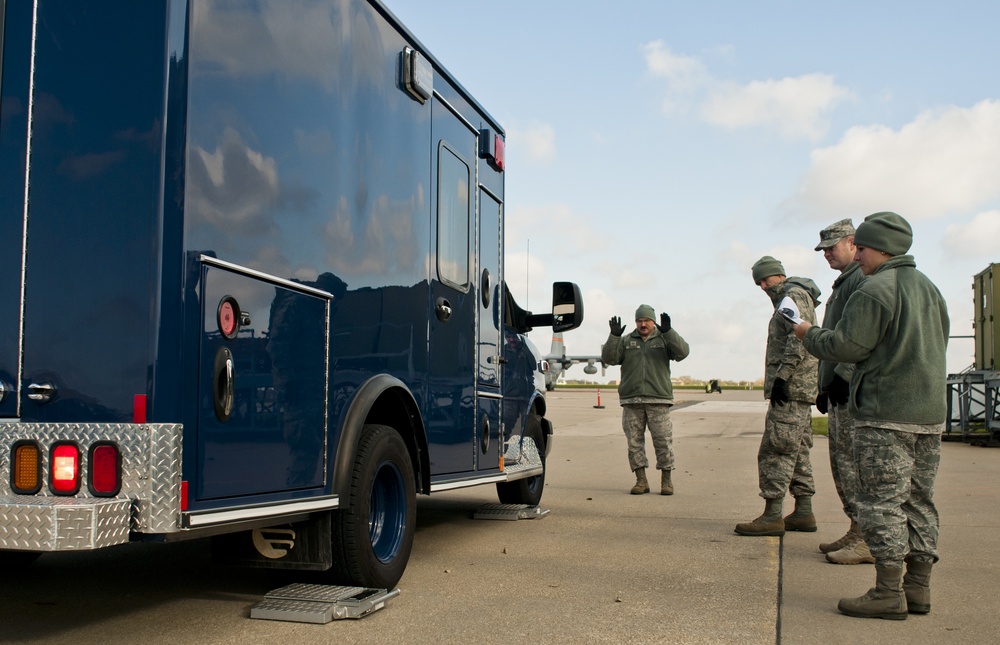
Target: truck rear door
{"type": "Point", "coordinates": [81, 172]}
{"type": "Point", "coordinates": [15, 70]}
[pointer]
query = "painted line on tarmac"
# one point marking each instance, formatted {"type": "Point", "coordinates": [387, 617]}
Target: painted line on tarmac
{"type": "Point", "coordinates": [732, 407]}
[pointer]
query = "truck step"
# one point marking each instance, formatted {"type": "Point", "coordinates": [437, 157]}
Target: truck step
{"type": "Point", "coordinates": [319, 604]}
{"type": "Point", "coordinates": [509, 512]}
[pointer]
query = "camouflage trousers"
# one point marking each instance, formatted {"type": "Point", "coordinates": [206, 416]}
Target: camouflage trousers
{"type": "Point", "coordinates": [896, 512]}
{"type": "Point", "coordinates": [783, 458]}
{"type": "Point", "coordinates": [635, 418]}
{"type": "Point", "coordinates": [845, 476]}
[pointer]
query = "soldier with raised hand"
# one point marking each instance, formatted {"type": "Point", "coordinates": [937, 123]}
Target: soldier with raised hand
{"type": "Point", "coordinates": [790, 374]}
{"type": "Point", "coordinates": [895, 329]}
{"type": "Point", "coordinates": [645, 391]}
{"type": "Point", "coordinates": [837, 244]}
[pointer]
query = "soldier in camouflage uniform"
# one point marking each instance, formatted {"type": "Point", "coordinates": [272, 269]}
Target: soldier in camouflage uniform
{"type": "Point", "coordinates": [895, 329]}
{"type": "Point", "coordinates": [790, 375]}
{"type": "Point", "coordinates": [645, 390]}
{"type": "Point", "coordinates": [837, 244]}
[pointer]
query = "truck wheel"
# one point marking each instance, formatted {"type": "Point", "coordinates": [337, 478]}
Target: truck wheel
{"type": "Point", "coordinates": [14, 560]}
{"type": "Point", "coordinates": [529, 490]}
{"type": "Point", "coordinates": [373, 536]}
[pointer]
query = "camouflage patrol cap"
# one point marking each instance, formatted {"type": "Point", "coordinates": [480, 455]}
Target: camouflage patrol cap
{"type": "Point", "coordinates": [833, 233]}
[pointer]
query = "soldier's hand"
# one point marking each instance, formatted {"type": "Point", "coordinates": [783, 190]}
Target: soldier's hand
{"type": "Point", "coordinates": [779, 392]}
{"type": "Point", "coordinates": [616, 326]}
{"type": "Point", "coordinates": [821, 402]}
{"type": "Point", "coordinates": [664, 325]}
{"type": "Point", "coordinates": [839, 391]}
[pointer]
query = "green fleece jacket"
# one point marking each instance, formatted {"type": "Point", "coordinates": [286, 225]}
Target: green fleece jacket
{"type": "Point", "coordinates": [895, 328]}
{"type": "Point", "coordinates": [645, 364]}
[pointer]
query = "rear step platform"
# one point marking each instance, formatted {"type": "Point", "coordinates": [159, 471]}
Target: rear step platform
{"type": "Point", "coordinates": [310, 603]}
{"type": "Point", "coordinates": [509, 512]}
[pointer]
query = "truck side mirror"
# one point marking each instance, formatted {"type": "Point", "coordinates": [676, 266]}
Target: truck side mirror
{"type": "Point", "coordinates": [567, 309]}
{"type": "Point", "coordinates": [567, 306]}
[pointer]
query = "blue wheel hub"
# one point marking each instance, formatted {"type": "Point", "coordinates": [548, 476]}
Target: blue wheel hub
{"type": "Point", "coordinates": [387, 512]}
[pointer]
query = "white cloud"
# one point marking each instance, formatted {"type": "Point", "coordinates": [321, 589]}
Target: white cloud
{"type": "Point", "coordinates": [683, 72]}
{"type": "Point", "coordinates": [945, 160]}
{"type": "Point", "coordinates": [557, 225]}
{"type": "Point", "coordinates": [796, 259]}
{"type": "Point", "coordinates": [537, 140]}
{"type": "Point", "coordinates": [794, 106]}
{"type": "Point", "coordinates": [626, 278]}
{"type": "Point", "coordinates": [978, 238]}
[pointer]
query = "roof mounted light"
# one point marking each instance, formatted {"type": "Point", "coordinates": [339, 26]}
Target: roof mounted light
{"type": "Point", "coordinates": [418, 75]}
{"type": "Point", "coordinates": [491, 148]}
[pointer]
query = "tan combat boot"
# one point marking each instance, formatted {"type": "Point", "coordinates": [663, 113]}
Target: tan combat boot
{"type": "Point", "coordinates": [857, 553]}
{"type": "Point", "coordinates": [770, 523]}
{"type": "Point", "coordinates": [853, 535]}
{"type": "Point", "coordinates": [666, 486]}
{"type": "Point", "coordinates": [802, 518]}
{"type": "Point", "coordinates": [884, 600]}
{"type": "Point", "coordinates": [916, 586]}
{"type": "Point", "coordinates": [641, 485]}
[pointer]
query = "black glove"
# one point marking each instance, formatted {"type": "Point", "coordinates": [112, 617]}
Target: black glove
{"type": "Point", "coordinates": [821, 403]}
{"type": "Point", "coordinates": [839, 391]}
{"type": "Point", "coordinates": [779, 392]}
{"type": "Point", "coordinates": [616, 326]}
{"type": "Point", "coordinates": [664, 325]}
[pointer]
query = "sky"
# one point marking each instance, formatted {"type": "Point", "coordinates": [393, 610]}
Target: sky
{"type": "Point", "coordinates": [656, 149]}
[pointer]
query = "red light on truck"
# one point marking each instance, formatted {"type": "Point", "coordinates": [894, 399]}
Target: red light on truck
{"type": "Point", "coordinates": [491, 148]}
{"type": "Point", "coordinates": [104, 470]}
{"type": "Point", "coordinates": [499, 154]}
{"type": "Point", "coordinates": [228, 317]}
{"type": "Point", "coordinates": [139, 409]}
{"type": "Point", "coordinates": [64, 467]}
{"type": "Point", "coordinates": [26, 468]}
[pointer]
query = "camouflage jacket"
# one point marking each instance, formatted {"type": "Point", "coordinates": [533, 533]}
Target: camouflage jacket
{"type": "Point", "coordinates": [845, 284]}
{"type": "Point", "coordinates": [786, 356]}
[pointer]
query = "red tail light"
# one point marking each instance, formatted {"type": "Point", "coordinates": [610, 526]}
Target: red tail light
{"type": "Point", "coordinates": [65, 469]}
{"type": "Point", "coordinates": [105, 470]}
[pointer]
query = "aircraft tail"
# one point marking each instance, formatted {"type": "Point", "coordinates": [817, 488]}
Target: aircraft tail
{"type": "Point", "coordinates": [558, 347]}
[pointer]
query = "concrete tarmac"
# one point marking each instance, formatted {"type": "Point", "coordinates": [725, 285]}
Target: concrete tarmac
{"type": "Point", "coordinates": [603, 566]}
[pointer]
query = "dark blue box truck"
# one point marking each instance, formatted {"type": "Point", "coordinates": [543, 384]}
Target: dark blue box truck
{"type": "Point", "coordinates": [251, 285]}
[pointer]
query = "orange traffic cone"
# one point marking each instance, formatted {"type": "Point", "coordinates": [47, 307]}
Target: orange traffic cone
{"type": "Point", "coordinates": [599, 406]}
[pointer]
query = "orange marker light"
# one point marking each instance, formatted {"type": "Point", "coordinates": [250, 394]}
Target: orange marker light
{"type": "Point", "coordinates": [26, 473]}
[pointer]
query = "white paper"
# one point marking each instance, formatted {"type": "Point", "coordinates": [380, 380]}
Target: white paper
{"type": "Point", "coordinates": [790, 310]}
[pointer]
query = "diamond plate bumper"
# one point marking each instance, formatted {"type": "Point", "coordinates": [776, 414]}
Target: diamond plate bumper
{"type": "Point", "coordinates": [147, 503]}
{"type": "Point", "coordinates": [62, 523]}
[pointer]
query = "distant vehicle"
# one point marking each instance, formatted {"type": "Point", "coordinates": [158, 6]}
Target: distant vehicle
{"type": "Point", "coordinates": [252, 285]}
{"type": "Point", "coordinates": [557, 362]}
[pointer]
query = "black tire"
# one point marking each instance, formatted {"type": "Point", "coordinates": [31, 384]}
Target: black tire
{"type": "Point", "coordinates": [373, 535]}
{"type": "Point", "coordinates": [15, 560]}
{"type": "Point", "coordinates": [529, 490]}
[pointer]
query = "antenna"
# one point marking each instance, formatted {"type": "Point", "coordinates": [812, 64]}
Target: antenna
{"type": "Point", "coordinates": [527, 268]}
